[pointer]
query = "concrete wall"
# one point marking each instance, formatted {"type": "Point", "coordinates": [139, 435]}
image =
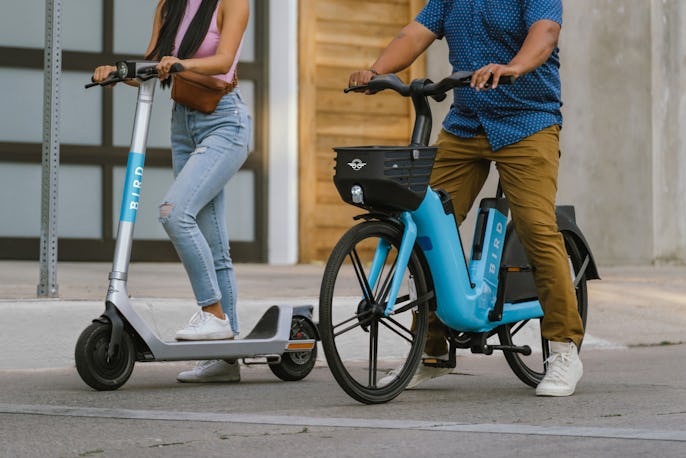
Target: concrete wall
{"type": "Point", "coordinates": [669, 130]}
{"type": "Point", "coordinates": [623, 156]}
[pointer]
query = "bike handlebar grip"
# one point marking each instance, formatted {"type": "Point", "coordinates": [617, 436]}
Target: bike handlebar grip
{"type": "Point", "coordinates": [506, 79]}
{"type": "Point", "coordinates": [388, 81]}
{"type": "Point", "coordinates": [439, 97]}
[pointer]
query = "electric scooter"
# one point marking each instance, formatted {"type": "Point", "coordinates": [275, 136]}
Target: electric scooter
{"type": "Point", "coordinates": [284, 337]}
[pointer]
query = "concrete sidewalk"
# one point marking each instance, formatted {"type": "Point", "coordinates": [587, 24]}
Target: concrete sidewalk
{"type": "Point", "coordinates": [631, 306]}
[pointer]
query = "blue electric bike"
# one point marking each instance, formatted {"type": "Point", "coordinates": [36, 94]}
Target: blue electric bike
{"type": "Point", "coordinates": [405, 258]}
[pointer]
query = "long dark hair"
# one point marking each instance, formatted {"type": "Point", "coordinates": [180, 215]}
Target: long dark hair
{"type": "Point", "coordinates": [172, 14]}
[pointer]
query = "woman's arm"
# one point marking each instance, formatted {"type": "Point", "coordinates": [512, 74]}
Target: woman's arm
{"type": "Point", "coordinates": [232, 19]}
{"type": "Point", "coordinates": [156, 26]}
{"type": "Point", "coordinates": [101, 73]}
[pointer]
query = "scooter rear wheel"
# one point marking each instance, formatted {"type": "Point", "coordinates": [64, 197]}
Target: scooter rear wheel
{"type": "Point", "coordinates": [95, 368]}
{"type": "Point", "coordinates": [297, 365]}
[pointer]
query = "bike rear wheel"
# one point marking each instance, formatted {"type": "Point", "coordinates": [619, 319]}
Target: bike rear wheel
{"type": "Point", "coordinates": [362, 345]}
{"type": "Point", "coordinates": [531, 369]}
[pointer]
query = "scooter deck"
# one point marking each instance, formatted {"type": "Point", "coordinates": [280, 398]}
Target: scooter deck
{"type": "Point", "coordinates": [269, 337]}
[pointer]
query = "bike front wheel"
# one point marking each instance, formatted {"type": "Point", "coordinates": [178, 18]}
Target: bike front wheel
{"type": "Point", "coordinates": [531, 369]}
{"type": "Point", "coordinates": [372, 356]}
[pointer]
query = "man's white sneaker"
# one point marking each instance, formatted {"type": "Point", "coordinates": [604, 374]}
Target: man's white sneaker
{"type": "Point", "coordinates": [217, 370]}
{"type": "Point", "coordinates": [564, 370]}
{"type": "Point", "coordinates": [422, 374]}
{"type": "Point", "coordinates": [205, 326]}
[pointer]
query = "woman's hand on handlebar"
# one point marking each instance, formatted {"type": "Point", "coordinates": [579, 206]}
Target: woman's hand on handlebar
{"type": "Point", "coordinates": [488, 76]}
{"type": "Point", "coordinates": [103, 72]}
{"type": "Point", "coordinates": [165, 65]}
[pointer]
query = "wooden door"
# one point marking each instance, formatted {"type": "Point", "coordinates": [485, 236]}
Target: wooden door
{"type": "Point", "coordinates": [338, 37]}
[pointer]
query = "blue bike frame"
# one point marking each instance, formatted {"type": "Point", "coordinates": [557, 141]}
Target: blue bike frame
{"type": "Point", "coordinates": [464, 297]}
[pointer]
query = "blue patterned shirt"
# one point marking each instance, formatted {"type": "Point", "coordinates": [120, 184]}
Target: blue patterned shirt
{"type": "Point", "coordinates": [482, 32]}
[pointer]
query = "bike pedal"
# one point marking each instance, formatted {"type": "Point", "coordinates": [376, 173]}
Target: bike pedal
{"type": "Point", "coordinates": [435, 362]}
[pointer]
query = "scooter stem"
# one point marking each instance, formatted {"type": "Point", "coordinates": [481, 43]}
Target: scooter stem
{"type": "Point", "coordinates": [134, 179]}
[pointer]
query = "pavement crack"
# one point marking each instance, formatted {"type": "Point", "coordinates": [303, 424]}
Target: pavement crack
{"type": "Point", "coordinates": [169, 444]}
{"type": "Point", "coordinates": [303, 430]}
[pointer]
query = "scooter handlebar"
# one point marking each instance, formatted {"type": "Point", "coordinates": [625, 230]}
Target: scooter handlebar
{"type": "Point", "coordinates": [133, 69]}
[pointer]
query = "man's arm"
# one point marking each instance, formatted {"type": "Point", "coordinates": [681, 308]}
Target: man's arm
{"type": "Point", "coordinates": [412, 41]}
{"type": "Point", "coordinates": [540, 42]}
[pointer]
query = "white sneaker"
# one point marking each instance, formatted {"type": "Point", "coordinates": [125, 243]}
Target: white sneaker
{"type": "Point", "coordinates": [422, 374]}
{"type": "Point", "coordinates": [564, 370]}
{"type": "Point", "coordinates": [217, 370]}
{"type": "Point", "coordinates": [205, 326]}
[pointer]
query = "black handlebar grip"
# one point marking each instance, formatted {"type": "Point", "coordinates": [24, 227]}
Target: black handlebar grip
{"type": "Point", "coordinates": [507, 79]}
{"type": "Point", "coordinates": [177, 67]}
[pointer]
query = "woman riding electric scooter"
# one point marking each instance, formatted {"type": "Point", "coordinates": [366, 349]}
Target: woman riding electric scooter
{"type": "Point", "coordinates": [208, 148]}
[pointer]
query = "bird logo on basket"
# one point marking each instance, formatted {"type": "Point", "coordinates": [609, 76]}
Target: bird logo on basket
{"type": "Point", "coordinates": [356, 164]}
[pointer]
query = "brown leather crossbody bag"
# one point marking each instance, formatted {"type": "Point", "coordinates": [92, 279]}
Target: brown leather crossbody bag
{"type": "Point", "coordinates": [200, 92]}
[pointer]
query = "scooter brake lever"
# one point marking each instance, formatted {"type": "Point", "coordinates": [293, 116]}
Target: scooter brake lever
{"type": "Point", "coordinates": [111, 79]}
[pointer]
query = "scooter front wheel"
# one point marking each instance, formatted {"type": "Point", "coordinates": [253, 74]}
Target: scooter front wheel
{"type": "Point", "coordinates": [99, 371]}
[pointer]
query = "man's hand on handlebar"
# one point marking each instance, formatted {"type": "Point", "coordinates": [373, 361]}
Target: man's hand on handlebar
{"type": "Point", "coordinates": [488, 76]}
{"type": "Point", "coordinates": [361, 78]}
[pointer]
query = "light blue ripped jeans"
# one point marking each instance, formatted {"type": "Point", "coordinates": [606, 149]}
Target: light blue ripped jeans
{"type": "Point", "coordinates": [207, 150]}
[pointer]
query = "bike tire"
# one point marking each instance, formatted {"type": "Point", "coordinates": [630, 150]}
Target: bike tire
{"type": "Point", "coordinates": [397, 339]}
{"type": "Point", "coordinates": [531, 369]}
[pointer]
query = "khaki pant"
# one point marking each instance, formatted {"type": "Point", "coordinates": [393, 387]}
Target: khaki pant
{"type": "Point", "coordinates": [528, 174]}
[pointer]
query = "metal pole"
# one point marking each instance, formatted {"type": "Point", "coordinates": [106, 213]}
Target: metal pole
{"type": "Point", "coordinates": [47, 287]}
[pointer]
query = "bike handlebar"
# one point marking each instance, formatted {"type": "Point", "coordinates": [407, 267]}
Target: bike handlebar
{"type": "Point", "coordinates": [430, 89]}
{"type": "Point", "coordinates": [132, 69]}
{"type": "Point", "coordinates": [419, 90]}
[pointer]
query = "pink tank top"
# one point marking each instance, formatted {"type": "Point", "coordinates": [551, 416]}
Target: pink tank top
{"type": "Point", "coordinates": [209, 45]}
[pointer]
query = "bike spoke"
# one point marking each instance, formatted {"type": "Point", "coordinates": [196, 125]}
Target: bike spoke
{"type": "Point", "coordinates": [413, 304]}
{"type": "Point", "coordinates": [373, 352]}
{"type": "Point", "coordinates": [385, 290]}
{"type": "Point", "coordinates": [354, 317]}
{"type": "Point", "coordinates": [582, 271]}
{"type": "Point", "coordinates": [410, 339]}
{"type": "Point", "coordinates": [360, 323]}
{"type": "Point", "coordinates": [519, 327]}
{"type": "Point", "coordinates": [545, 350]}
{"type": "Point", "coordinates": [361, 277]}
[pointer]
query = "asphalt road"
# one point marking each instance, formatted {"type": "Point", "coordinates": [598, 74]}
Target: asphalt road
{"type": "Point", "coordinates": [631, 401]}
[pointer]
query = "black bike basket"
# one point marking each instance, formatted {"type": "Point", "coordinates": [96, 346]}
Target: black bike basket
{"type": "Point", "coordinates": [384, 178]}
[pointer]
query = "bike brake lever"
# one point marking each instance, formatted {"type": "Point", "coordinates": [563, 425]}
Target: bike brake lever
{"type": "Point", "coordinates": [362, 88]}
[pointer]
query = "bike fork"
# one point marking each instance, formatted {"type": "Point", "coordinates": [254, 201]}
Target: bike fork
{"type": "Point", "coordinates": [404, 252]}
